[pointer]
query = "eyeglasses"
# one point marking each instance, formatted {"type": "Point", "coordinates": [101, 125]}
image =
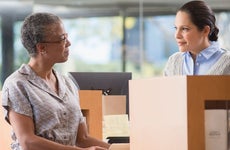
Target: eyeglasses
{"type": "Point", "coordinates": [63, 38]}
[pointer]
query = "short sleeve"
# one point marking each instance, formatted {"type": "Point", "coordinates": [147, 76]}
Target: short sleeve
{"type": "Point", "coordinates": [14, 99]}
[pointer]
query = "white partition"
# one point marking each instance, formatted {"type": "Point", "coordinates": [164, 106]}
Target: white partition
{"type": "Point", "coordinates": [158, 114]}
{"type": "Point", "coordinates": [167, 113]}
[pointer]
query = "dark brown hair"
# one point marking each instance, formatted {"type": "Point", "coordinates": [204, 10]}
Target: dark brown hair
{"type": "Point", "coordinates": [202, 15]}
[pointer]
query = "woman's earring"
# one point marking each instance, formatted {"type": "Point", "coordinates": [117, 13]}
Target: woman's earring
{"type": "Point", "coordinates": [43, 52]}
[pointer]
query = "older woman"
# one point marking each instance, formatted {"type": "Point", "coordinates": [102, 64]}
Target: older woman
{"type": "Point", "coordinates": [41, 105]}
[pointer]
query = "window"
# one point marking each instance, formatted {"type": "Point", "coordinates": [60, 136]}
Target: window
{"type": "Point", "coordinates": [108, 40]}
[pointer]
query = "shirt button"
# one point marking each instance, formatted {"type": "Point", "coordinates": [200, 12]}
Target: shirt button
{"type": "Point", "coordinates": [64, 113]}
{"type": "Point", "coordinates": [197, 64]}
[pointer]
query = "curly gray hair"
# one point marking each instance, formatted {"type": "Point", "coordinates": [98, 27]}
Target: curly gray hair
{"type": "Point", "coordinates": [34, 29]}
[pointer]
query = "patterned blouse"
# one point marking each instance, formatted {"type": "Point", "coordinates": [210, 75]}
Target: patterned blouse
{"type": "Point", "coordinates": [55, 117]}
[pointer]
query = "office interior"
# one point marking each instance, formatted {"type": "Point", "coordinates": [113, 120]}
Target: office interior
{"type": "Point", "coordinates": [134, 36]}
{"type": "Point", "coordinates": [108, 36]}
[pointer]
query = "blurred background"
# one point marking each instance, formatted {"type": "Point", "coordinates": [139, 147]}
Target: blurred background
{"type": "Point", "coordinates": [106, 35]}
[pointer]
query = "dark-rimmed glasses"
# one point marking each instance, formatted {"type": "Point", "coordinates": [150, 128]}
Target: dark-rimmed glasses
{"type": "Point", "coordinates": [63, 38]}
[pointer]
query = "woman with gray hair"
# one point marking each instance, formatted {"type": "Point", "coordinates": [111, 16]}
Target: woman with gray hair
{"type": "Point", "coordinates": [41, 105]}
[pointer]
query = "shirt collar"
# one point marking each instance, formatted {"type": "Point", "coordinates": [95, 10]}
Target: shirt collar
{"type": "Point", "coordinates": [211, 50]}
{"type": "Point", "coordinates": [25, 69]}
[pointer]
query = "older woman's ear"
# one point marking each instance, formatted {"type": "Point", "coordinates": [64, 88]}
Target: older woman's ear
{"type": "Point", "coordinates": [40, 47]}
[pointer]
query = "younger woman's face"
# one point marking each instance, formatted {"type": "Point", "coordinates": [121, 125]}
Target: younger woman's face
{"type": "Point", "coordinates": [188, 36]}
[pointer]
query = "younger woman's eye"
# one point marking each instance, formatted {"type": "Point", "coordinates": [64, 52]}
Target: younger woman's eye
{"type": "Point", "coordinates": [185, 29]}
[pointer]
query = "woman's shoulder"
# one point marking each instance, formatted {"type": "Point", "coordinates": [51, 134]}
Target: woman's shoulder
{"type": "Point", "coordinates": [173, 66]}
{"type": "Point", "coordinates": [19, 77]}
{"type": "Point", "coordinates": [176, 56]}
{"type": "Point", "coordinates": [14, 80]}
{"type": "Point", "coordinates": [224, 60]}
{"type": "Point", "coordinates": [14, 77]}
{"type": "Point", "coordinates": [226, 54]}
{"type": "Point", "coordinates": [226, 51]}
{"type": "Point", "coordinates": [222, 66]}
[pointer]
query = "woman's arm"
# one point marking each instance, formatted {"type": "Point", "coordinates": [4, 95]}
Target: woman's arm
{"type": "Point", "coordinates": [85, 140]}
{"type": "Point", "coordinates": [23, 127]}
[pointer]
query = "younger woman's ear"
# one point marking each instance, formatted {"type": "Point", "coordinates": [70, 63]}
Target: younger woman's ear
{"type": "Point", "coordinates": [207, 30]}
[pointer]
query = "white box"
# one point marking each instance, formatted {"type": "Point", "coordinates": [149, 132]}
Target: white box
{"type": "Point", "coordinates": [216, 129]}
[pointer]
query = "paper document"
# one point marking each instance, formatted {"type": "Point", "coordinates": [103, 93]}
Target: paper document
{"type": "Point", "coordinates": [115, 125]}
{"type": "Point", "coordinates": [216, 129]}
